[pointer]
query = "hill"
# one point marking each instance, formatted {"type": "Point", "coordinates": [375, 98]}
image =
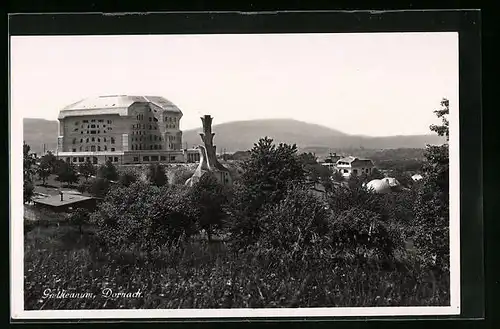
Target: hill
{"type": "Point", "coordinates": [241, 135]}
{"type": "Point", "coordinates": [37, 132]}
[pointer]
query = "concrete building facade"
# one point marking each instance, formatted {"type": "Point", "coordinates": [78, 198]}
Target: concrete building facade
{"type": "Point", "coordinates": [123, 129]}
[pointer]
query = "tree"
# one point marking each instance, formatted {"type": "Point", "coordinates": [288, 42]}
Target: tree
{"type": "Point", "coordinates": [87, 169]}
{"type": "Point", "coordinates": [375, 174]}
{"type": "Point", "coordinates": [67, 173]}
{"type": "Point", "coordinates": [156, 175]}
{"type": "Point", "coordinates": [127, 178]}
{"type": "Point", "coordinates": [144, 217]}
{"type": "Point", "coordinates": [208, 197]}
{"type": "Point", "coordinates": [444, 128]}
{"type": "Point", "coordinates": [337, 176]}
{"type": "Point", "coordinates": [46, 167]}
{"type": "Point", "coordinates": [267, 175]}
{"type": "Point", "coordinates": [79, 217]}
{"type": "Point", "coordinates": [270, 170]}
{"type": "Point", "coordinates": [99, 187]}
{"type": "Point", "coordinates": [29, 160]}
{"type": "Point", "coordinates": [431, 206]}
{"type": "Point", "coordinates": [108, 171]}
{"type": "Point", "coordinates": [308, 158]}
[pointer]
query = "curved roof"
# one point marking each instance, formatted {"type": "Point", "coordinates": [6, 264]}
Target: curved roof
{"type": "Point", "coordinates": [384, 185]}
{"type": "Point", "coordinates": [114, 104]}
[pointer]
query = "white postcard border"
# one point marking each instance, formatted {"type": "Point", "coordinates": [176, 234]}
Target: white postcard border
{"type": "Point", "coordinates": [17, 256]}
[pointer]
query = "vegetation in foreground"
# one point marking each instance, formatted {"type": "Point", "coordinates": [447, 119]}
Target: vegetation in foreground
{"type": "Point", "coordinates": [281, 246]}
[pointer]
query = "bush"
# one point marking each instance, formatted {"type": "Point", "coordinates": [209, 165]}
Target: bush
{"type": "Point", "coordinates": [156, 175]}
{"type": "Point", "coordinates": [127, 178]}
{"type": "Point", "coordinates": [144, 216]}
{"type": "Point", "coordinates": [298, 220]}
{"type": "Point", "coordinates": [108, 171]}
{"type": "Point", "coordinates": [208, 199]}
{"type": "Point", "coordinates": [360, 233]}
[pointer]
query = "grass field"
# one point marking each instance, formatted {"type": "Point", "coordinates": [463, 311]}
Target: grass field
{"type": "Point", "coordinates": [196, 274]}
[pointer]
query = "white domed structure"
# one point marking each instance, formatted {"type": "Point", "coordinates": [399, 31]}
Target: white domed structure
{"type": "Point", "coordinates": [417, 177]}
{"type": "Point", "coordinates": [384, 185]}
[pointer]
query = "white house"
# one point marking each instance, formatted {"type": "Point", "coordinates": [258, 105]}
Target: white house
{"type": "Point", "coordinates": [353, 165]}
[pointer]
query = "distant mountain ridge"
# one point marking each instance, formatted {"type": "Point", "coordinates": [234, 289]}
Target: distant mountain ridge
{"type": "Point", "coordinates": [241, 135]}
{"type": "Point", "coordinates": [37, 132]}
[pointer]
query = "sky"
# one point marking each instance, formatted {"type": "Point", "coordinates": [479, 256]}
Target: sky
{"type": "Point", "coordinates": [376, 84]}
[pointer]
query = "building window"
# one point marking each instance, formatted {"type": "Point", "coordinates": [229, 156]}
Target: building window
{"type": "Point", "coordinates": [172, 158]}
{"type": "Point", "coordinates": [150, 119]}
{"type": "Point", "coordinates": [163, 158]}
{"type": "Point", "coordinates": [355, 171]}
{"type": "Point", "coordinates": [93, 139]}
{"type": "Point", "coordinates": [92, 126]}
{"type": "Point", "coordinates": [145, 158]}
{"type": "Point", "coordinates": [85, 121]}
{"type": "Point", "coordinates": [104, 139]}
{"type": "Point", "coordinates": [116, 159]}
{"type": "Point", "coordinates": [92, 148]}
{"type": "Point", "coordinates": [110, 159]}
{"type": "Point", "coordinates": [109, 121]}
{"type": "Point", "coordinates": [81, 132]}
{"type": "Point", "coordinates": [154, 158]}
{"type": "Point", "coordinates": [98, 148]}
{"type": "Point", "coordinates": [74, 150]}
{"type": "Point", "coordinates": [112, 140]}
{"type": "Point", "coordinates": [156, 147]}
{"type": "Point", "coordinates": [98, 139]}
{"type": "Point", "coordinates": [112, 149]}
{"type": "Point", "coordinates": [92, 132]}
{"type": "Point", "coordinates": [86, 148]}
{"type": "Point", "coordinates": [87, 140]}
{"type": "Point", "coordinates": [159, 146]}
{"type": "Point", "coordinates": [105, 148]}
{"type": "Point", "coordinates": [81, 148]}
{"type": "Point", "coordinates": [93, 120]}
{"type": "Point", "coordinates": [81, 159]}
{"type": "Point", "coordinates": [74, 159]}
{"type": "Point", "coordinates": [136, 159]}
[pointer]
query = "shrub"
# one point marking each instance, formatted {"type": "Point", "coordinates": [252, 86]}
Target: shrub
{"type": "Point", "coordinates": [156, 175]}
{"type": "Point", "coordinates": [360, 233]}
{"type": "Point", "coordinates": [144, 215]}
{"type": "Point", "coordinates": [299, 219]}
{"type": "Point", "coordinates": [127, 178]}
{"type": "Point", "coordinates": [208, 198]}
{"type": "Point", "coordinates": [108, 171]}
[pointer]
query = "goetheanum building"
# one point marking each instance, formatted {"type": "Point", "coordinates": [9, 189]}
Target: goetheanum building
{"type": "Point", "coordinates": [122, 129]}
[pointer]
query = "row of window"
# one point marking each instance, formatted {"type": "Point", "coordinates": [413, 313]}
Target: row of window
{"type": "Point", "coordinates": [151, 138]}
{"type": "Point", "coordinates": [93, 148]}
{"type": "Point", "coordinates": [93, 139]}
{"type": "Point", "coordinates": [93, 132]}
{"type": "Point", "coordinates": [137, 147]}
{"type": "Point", "coordinates": [93, 120]}
{"type": "Point", "coordinates": [141, 132]}
{"type": "Point", "coordinates": [94, 159]}
{"type": "Point", "coordinates": [153, 158]}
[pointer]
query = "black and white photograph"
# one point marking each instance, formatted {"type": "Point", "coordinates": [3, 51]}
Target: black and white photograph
{"type": "Point", "coordinates": [235, 175]}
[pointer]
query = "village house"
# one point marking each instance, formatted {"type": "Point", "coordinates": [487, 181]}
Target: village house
{"type": "Point", "coordinates": [353, 165]}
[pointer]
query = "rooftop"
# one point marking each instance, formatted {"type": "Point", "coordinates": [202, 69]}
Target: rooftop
{"type": "Point", "coordinates": [119, 102]}
{"type": "Point", "coordinates": [55, 200]}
